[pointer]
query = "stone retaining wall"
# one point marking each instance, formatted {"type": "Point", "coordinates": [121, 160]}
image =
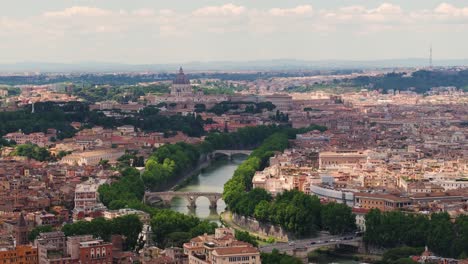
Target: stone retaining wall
{"type": "Point", "coordinates": [263, 229]}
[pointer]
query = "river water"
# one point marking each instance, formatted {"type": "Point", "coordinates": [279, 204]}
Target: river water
{"type": "Point", "coordinates": [211, 179]}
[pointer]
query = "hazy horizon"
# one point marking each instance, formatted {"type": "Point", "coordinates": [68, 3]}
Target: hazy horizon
{"type": "Point", "coordinates": [163, 32]}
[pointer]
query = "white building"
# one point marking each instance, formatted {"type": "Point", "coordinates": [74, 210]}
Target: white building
{"type": "Point", "coordinates": [87, 196]}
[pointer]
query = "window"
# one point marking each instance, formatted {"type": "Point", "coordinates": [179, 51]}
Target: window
{"type": "Point", "coordinates": [103, 251]}
{"type": "Point", "coordinates": [92, 253]}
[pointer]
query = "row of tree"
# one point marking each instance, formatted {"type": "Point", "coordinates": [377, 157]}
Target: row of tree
{"type": "Point", "coordinates": [419, 81]}
{"type": "Point", "coordinates": [275, 257]}
{"type": "Point", "coordinates": [59, 116]}
{"type": "Point", "coordinates": [248, 107]}
{"type": "Point", "coordinates": [129, 226]}
{"type": "Point", "coordinates": [119, 93]}
{"type": "Point", "coordinates": [32, 151]}
{"type": "Point", "coordinates": [437, 231]}
{"type": "Point", "coordinates": [172, 228]}
{"type": "Point", "coordinates": [168, 162]}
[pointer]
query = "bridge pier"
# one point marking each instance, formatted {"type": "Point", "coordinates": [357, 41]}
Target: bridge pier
{"type": "Point", "coordinates": [191, 202]}
{"type": "Point", "coordinates": [213, 204]}
{"type": "Point", "coordinates": [166, 202]}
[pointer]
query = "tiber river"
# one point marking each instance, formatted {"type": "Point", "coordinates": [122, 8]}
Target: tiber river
{"type": "Point", "coordinates": [212, 179]}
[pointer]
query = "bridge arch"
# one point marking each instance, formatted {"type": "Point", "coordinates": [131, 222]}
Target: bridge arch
{"type": "Point", "coordinates": [190, 197]}
{"type": "Point", "coordinates": [229, 153]}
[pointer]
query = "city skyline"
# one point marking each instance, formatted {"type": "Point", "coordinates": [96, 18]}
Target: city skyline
{"type": "Point", "coordinates": [156, 32]}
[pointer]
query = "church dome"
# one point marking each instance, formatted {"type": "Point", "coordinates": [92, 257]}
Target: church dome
{"type": "Point", "coordinates": [181, 78]}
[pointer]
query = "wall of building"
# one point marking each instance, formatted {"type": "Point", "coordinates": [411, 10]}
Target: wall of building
{"type": "Point", "coordinates": [335, 195]}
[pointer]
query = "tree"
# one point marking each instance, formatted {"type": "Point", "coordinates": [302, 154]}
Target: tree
{"type": "Point", "coordinates": [441, 234]}
{"type": "Point", "coordinates": [277, 258]}
{"type": "Point", "coordinates": [338, 218]}
{"type": "Point", "coordinates": [32, 151]}
{"type": "Point", "coordinates": [128, 226]}
{"type": "Point", "coordinates": [246, 237]}
{"type": "Point", "coordinates": [401, 254]}
{"type": "Point", "coordinates": [37, 230]}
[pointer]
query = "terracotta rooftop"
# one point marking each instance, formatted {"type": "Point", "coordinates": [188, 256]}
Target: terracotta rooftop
{"type": "Point", "coordinates": [235, 251]}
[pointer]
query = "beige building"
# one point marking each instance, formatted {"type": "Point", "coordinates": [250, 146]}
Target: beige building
{"type": "Point", "coordinates": [330, 160]}
{"type": "Point", "coordinates": [220, 248]}
{"type": "Point", "coordinates": [38, 138]}
{"type": "Point", "coordinates": [92, 157]}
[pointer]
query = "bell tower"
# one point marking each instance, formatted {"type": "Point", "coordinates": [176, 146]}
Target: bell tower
{"type": "Point", "coordinates": [21, 231]}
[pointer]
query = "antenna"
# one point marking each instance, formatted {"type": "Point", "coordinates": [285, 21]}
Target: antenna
{"type": "Point", "coordinates": [430, 56]}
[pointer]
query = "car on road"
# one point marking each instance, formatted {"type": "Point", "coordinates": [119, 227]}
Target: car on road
{"type": "Point", "coordinates": [326, 241]}
{"type": "Point", "coordinates": [319, 241]}
{"type": "Point", "coordinates": [313, 243]}
{"type": "Point", "coordinates": [332, 240]}
{"type": "Point", "coordinates": [292, 243]}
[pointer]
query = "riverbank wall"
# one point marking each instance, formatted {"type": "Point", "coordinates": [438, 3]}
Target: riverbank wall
{"type": "Point", "coordinates": [188, 175]}
{"type": "Point", "coordinates": [265, 229]}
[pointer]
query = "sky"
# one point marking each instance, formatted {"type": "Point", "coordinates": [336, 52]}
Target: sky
{"type": "Point", "coordinates": [177, 31]}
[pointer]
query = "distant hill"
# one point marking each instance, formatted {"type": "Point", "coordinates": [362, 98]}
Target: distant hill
{"type": "Point", "coordinates": [257, 65]}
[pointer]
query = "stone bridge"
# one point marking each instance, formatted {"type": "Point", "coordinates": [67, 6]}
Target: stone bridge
{"type": "Point", "coordinates": [191, 197]}
{"type": "Point", "coordinates": [231, 152]}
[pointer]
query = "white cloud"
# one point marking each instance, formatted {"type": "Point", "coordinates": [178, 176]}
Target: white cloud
{"type": "Point", "coordinates": [79, 11]}
{"type": "Point", "coordinates": [298, 10]}
{"type": "Point", "coordinates": [230, 18]}
{"type": "Point", "coordinates": [144, 12]}
{"type": "Point", "coordinates": [450, 10]}
{"type": "Point", "coordinates": [224, 10]}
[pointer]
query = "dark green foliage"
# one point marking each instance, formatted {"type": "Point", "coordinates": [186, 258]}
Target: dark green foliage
{"type": "Point", "coordinates": [32, 151]}
{"type": "Point", "coordinates": [128, 226]}
{"type": "Point", "coordinates": [121, 94]}
{"type": "Point", "coordinates": [338, 218]}
{"type": "Point", "coordinates": [391, 229]}
{"type": "Point", "coordinates": [280, 117]}
{"type": "Point", "coordinates": [200, 108]}
{"type": "Point", "coordinates": [171, 228]}
{"type": "Point", "coordinates": [250, 107]}
{"type": "Point", "coordinates": [37, 230]}
{"type": "Point", "coordinates": [47, 115]}
{"type": "Point", "coordinates": [6, 143]}
{"type": "Point", "coordinates": [118, 194]}
{"type": "Point", "coordinates": [246, 237]}
{"type": "Point", "coordinates": [278, 258]}
{"type": "Point", "coordinates": [296, 212]}
{"type": "Point", "coordinates": [150, 120]}
{"type": "Point", "coordinates": [130, 158]}
{"type": "Point", "coordinates": [167, 162]}
{"type": "Point", "coordinates": [401, 255]}
{"type": "Point", "coordinates": [236, 187]}
{"type": "Point", "coordinates": [422, 81]}
{"type": "Point", "coordinates": [60, 115]}
{"type": "Point", "coordinates": [219, 87]}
